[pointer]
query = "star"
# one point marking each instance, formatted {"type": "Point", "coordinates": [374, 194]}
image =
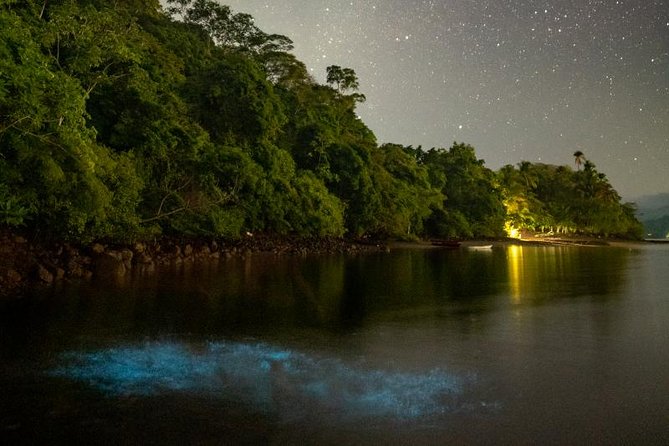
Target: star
{"type": "Point", "coordinates": [539, 77]}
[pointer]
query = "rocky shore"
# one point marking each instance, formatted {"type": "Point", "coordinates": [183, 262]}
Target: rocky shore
{"type": "Point", "coordinates": [25, 263]}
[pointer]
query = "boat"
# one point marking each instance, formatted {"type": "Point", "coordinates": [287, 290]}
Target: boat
{"type": "Point", "coordinates": [446, 243]}
{"type": "Point", "coordinates": [479, 247]}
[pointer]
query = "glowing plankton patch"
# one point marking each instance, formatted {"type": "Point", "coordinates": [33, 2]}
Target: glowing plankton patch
{"type": "Point", "coordinates": [265, 377]}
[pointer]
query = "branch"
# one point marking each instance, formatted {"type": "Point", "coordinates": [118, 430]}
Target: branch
{"type": "Point", "coordinates": [186, 207]}
{"type": "Point", "coordinates": [43, 8]}
{"type": "Point", "coordinates": [172, 192]}
{"type": "Point", "coordinates": [13, 124]}
{"type": "Point", "coordinates": [166, 214]}
{"type": "Point", "coordinates": [44, 139]}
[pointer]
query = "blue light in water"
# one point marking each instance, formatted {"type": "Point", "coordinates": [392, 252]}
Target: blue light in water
{"type": "Point", "coordinates": [266, 377]}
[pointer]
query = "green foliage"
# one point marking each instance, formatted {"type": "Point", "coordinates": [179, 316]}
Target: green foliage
{"type": "Point", "coordinates": [51, 155]}
{"type": "Point", "coordinates": [119, 120]}
{"type": "Point", "coordinates": [319, 212]}
{"type": "Point", "coordinates": [13, 209]}
{"type": "Point", "coordinates": [407, 197]}
{"type": "Point", "coordinates": [247, 111]}
{"type": "Point", "coordinates": [343, 78]}
{"type": "Point", "coordinates": [473, 204]}
{"type": "Point", "coordinates": [556, 199]}
{"type": "Point", "coordinates": [227, 29]}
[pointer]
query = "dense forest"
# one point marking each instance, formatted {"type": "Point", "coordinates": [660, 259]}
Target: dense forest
{"type": "Point", "coordinates": [123, 120]}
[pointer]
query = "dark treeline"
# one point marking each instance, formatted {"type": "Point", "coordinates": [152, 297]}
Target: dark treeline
{"type": "Point", "coordinates": [123, 120]}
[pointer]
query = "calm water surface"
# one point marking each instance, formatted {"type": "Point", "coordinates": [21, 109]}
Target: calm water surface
{"type": "Point", "coordinates": [516, 345]}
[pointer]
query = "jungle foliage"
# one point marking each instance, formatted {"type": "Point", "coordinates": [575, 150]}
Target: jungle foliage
{"type": "Point", "coordinates": [123, 120]}
{"type": "Point", "coordinates": [557, 199]}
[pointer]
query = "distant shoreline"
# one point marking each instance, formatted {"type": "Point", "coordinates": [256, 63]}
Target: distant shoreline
{"type": "Point", "coordinates": [538, 241]}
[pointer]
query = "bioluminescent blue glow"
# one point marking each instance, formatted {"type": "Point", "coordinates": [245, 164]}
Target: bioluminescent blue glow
{"type": "Point", "coordinates": [267, 378]}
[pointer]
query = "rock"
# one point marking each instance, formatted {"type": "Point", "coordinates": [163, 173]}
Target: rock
{"type": "Point", "coordinates": [115, 255]}
{"type": "Point", "coordinates": [146, 268]}
{"type": "Point", "coordinates": [110, 265]}
{"type": "Point", "coordinates": [44, 274]}
{"type": "Point", "coordinates": [127, 256]}
{"type": "Point", "coordinates": [175, 251]}
{"type": "Point", "coordinates": [143, 259]}
{"type": "Point", "coordinates": [70, 251]}
{"type": "Point", "coordinates": [74, 269]}
{"type": "Point", "coordinates": [13, 277]}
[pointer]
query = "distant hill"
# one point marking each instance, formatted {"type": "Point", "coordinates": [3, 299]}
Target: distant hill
{"type": "Point", "coordinates": [653, 212]}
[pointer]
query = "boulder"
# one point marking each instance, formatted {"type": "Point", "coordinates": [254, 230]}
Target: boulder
{"type": "Point", "coordinates": [74, 269]}
{"type": "Point", "coordinates": [13, 277]}
{"type": "Point", "coordinates": [143, 259]}
{"type": "Point", "coordinates": [44, 274]}
{"type": "Point", "coordinates": [110, 265]}
{"type": "Point", "coordinates": [127, 256]}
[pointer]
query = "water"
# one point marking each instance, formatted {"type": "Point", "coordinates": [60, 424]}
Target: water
{"type": "Point", "coordinates": [517, 345]}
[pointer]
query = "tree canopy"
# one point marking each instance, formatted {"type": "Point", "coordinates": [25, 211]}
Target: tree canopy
{"type": "Point", "coordinates": [124, 120]}
{"type": "Point", "coordinates": [557, 199]}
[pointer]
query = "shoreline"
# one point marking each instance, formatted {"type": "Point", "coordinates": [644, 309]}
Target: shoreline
{"type": "Point", "coordinates": [553, 241]}
{"type": "Point", "coordinates": [25, 264]}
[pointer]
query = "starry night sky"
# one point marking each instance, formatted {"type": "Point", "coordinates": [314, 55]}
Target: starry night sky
{"type": "Point", "coordinates": [531, 80]}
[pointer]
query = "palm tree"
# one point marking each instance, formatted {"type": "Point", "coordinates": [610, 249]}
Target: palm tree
{"type": "Point", "coordinates": [579, 159]}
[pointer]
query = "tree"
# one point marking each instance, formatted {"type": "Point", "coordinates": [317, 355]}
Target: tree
{"type": "Point", "coordinates": [343, 79]}
{"type": "Point", "coordinates": [49, 158]}
{"type": "Point", "coordinates": [235, 103]}
{"type": "Point", "coordinates": [120, 121]}
{"type": "Point", "coordinates": [559, 199]}
{"type": "Point", "coordinates": [408, 198]}
{"type": "Point", "coordinates": [519, 188]}
{"type": "Point", "coordinates": [579, 159]}
{"type": "Point", "coordinates": [474, 202]}
{"type": "Point", "coordinates": [233, 31]}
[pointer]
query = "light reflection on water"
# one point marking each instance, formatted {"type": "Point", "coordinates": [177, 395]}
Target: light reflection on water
{"type": "Point", "coordinates": [266, 378]}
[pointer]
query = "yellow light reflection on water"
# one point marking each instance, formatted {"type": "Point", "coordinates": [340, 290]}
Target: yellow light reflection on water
{"type": "Point", "coordinates": [516, 271]}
